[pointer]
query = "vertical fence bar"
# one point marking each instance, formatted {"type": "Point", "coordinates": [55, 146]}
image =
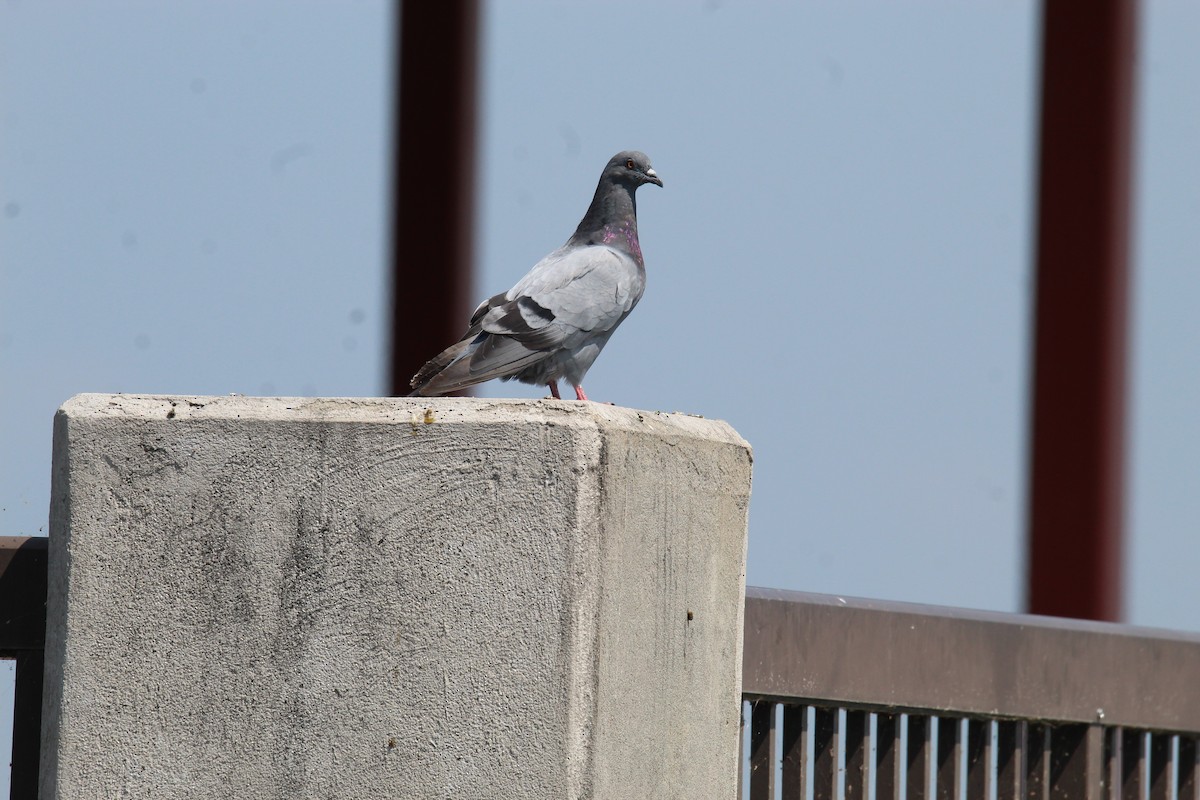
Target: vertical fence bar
{"type": "Point", "coordinates": [825, 766]}
{"type": "Point", "coordinates": [741, 750]}
{"type": "Point", "coordinates": [762, 750]}
{"type": "Point", "coordinates": [1010, 772]}
{"type": "Point", "coordinates": [979, 742]}
{"type": "Point", "coordinates": [857, 743]}
{"type": "Point", "coordinates": [27, 723]}
{"type": "Point", "coordinates": [920, 760]}
{"type": "Point", "coordinates": [1077, 762]}
{"type": "Point", "coordinates": [1010, 757]}
{"type": "Point", "coordinates": [1160, 766]}
{"type": "Point", "coordinates": [949, 746]}
{"type": "Point", "coordinates": [1037, 762]}
{"type": "Point", "coordinates": [795, 735]}
{"type": "Point", "coordinates": [1112, 764]}
{"type": "Point", "coordinates": [887, 757]}
{"type": "Point", "coordinates": [1133, 763]}
{"type": "Point", "coordinates": [1189, 781]}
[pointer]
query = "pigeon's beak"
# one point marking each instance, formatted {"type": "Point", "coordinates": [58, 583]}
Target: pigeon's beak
{"type": "Point", "coordinates": [652, 177]}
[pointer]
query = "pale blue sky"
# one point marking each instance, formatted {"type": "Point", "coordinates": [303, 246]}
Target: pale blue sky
{"type": "Point", "coordinates": [191, 201]}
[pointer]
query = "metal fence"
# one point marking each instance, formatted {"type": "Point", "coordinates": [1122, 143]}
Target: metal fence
{"type": "Point", "coordinates": [852, 699]}
{"type": "Point", "coordinates": [23, 562]}
{"type": "Point", "coordinates": [866, 700]}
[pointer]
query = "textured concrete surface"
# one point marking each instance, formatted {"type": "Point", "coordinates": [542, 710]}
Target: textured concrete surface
{"type": "Point", "coordinates": [448, 598]}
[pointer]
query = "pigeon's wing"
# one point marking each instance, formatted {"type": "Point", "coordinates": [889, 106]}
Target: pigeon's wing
{"type": "Point", "coordinates": [569, 292]}
{"type": "Point", "coordinates": [584, 288]}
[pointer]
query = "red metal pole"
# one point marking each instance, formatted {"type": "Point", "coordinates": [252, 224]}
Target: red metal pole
{"type": "Point", "coordinates": [433, 181]}
{"type": "Point", "coordinates": [1076, 505]}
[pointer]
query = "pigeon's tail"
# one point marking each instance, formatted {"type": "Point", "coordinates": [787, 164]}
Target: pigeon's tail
{"type": "Point", "coordinates": [478, 359]}
{"type": "Point", "coordinates": [434, 367]}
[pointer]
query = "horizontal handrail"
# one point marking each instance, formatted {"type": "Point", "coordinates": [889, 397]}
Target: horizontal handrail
{"type": "Point", "coordinates": [880, 655]}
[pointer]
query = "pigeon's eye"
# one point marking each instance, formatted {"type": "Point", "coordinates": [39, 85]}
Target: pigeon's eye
{"type": "Point", "coordinates": [629, 164]}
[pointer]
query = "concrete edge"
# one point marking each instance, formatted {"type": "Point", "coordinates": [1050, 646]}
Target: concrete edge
{"type": "Point", "coordinates": [416, 411]}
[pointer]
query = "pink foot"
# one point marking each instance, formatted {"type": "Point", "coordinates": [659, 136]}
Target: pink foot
{"type": "Point", "coordinates": [579, 394]}
{"type": "Point", "coordinates": [554, 389]}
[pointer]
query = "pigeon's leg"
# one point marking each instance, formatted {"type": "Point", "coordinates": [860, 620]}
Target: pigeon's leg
{"type": "Point", "coordinates": [579, 394]}
{"type": "Point", "coordinates": [554, 389]}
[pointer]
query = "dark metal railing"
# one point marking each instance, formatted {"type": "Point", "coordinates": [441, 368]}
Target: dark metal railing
{"type": "Point", "coordinates": [853, 699]}
{"type": "Point", "coordinates": [866, 700]}
{"type": "Point", "coordinates": [23, 638]}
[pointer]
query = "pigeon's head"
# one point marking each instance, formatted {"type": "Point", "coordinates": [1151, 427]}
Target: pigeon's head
{"type": "Point", "coordinates": [631, 167]}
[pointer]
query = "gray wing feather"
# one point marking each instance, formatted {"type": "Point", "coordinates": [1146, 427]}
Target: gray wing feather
{"type": "Point", "coordinates": [571, 292]}
{"type": "Point", "coordinates": [492, 357]}
{"type": "Point", "coordinates": [585, 288]}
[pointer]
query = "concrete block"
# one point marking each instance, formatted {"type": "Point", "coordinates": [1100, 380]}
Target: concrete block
{"type": "Point", "coordinates": [447, 598]}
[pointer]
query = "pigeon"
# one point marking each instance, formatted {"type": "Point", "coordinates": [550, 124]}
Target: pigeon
{"type": "Point", "coordinates": [557, 319]}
